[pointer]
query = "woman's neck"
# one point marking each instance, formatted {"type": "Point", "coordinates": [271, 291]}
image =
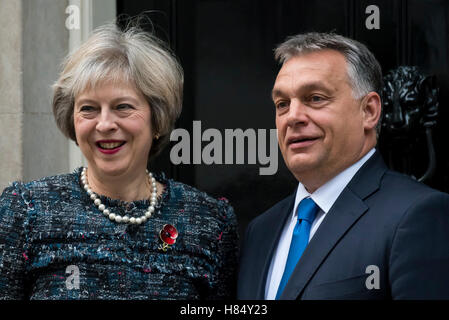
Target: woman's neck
{"type": "Point", "coordinates": [129, 187]}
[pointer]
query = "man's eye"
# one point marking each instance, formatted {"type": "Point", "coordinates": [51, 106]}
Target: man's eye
{"type": "Point", "coordinates": [281, 104]}
{"type": "Point", "coordinates": [316, 98]}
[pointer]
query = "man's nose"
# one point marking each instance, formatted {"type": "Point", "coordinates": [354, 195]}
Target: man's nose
{"type": "Point", "coordinates": [106, 121]}
{"type": "Point", "coordinates": [297, 113]}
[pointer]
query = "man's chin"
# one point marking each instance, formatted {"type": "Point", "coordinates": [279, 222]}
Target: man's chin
{"type": "Point", "coordinates": [300, 166]}
{"type": "Point", "coordinates": [300, 160]}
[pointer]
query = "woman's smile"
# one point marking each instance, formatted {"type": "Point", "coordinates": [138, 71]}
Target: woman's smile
{"type": "Point", "coordinates": [110, 146]}
{"type": "Point", "coordinates": [113, 129]}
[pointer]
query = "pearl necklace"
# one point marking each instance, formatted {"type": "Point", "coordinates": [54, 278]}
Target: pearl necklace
{"type": "Point", "coordinates": [117, 217]}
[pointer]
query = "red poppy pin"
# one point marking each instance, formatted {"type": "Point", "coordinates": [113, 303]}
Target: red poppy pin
{"type": "Point", "coordinates": [168, 235]}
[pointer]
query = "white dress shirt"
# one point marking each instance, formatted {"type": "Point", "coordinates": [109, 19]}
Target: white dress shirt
{"type": "Point", "coordinates": [324, 197]}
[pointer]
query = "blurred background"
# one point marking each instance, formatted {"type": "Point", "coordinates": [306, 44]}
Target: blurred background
{"type": "Point", "coordinates": [226, 49]}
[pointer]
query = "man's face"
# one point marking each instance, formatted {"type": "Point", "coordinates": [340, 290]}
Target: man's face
{"type": "Point", "coordinates": [320, 123]}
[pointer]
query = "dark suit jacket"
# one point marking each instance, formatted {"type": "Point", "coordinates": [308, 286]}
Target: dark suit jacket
{"type": "Point", "coordinates": [383, 219]}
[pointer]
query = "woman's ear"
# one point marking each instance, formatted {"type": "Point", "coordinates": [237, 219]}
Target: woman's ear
{"type": "Point", "coordinates": [372, 107]}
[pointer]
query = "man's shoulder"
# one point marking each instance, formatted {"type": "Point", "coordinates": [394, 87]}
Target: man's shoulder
{"type": "Point", "coordinates": [375, 179]}
{"type": "Point", "coordinates": [405, 185]}
{"type": "Point", "coordinates": [399, 194]}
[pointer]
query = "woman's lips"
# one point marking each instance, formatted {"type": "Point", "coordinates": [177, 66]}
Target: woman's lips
{"type": "Point", "coordinates": [110, 146]}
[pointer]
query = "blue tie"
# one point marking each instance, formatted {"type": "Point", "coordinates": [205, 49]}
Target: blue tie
{"type": "Point", "coordinates": [307, 210]}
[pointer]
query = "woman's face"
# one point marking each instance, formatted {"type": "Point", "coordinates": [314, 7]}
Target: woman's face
{"type": "Point", "coordinates": [113, 128]}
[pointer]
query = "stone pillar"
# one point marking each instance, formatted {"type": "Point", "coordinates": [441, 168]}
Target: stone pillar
{"type": "Point", "coordinates": [44, 45]}
{"type": "Point", "coordinates": [11, 96]}
{"type": "Point", "coordinates": [34, 40]}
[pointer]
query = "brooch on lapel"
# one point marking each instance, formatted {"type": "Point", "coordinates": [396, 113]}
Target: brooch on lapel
{"type": "Point", "coordinates": [168, 235]}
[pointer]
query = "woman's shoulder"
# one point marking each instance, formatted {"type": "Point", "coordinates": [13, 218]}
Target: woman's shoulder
{"type": "Point", "coordinates": [198, 200]}
{"type": "Point", "coordinates": [25, 199]}
{"type": "Point", "coordinates": [188, 192]}
{"type": "Point", "coordinates": [60, 183]}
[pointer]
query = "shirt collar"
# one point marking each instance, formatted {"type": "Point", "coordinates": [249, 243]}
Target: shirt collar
{"type": "Point", "coordinates": [326, 195]}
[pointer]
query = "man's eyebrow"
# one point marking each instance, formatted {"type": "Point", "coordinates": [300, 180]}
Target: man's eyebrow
{"type": "Point", "coordinates": [305, 87]}
{"type": "Point", "coordinates": [276, 93]}
{"type": "Point", "coordinates": [316, 86]}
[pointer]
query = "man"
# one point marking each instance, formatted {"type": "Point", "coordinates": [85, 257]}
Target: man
{"type": "Point", "coordinates": [353, 229]}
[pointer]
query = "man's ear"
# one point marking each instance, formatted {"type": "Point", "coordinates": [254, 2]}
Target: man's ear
{"type": "Point", "coordinates": [372, 107]}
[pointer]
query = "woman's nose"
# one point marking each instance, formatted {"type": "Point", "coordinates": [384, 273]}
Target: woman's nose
{"type": "Point", "coordinates": [106, 121]}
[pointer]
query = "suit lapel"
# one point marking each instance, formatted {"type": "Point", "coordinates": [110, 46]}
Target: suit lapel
{"type": "Point", "coordinates": [338, 220]}
{"type": "Point", "coordinates": [274, 225]}
{"type": "Point", "coordinates": [348, 208]}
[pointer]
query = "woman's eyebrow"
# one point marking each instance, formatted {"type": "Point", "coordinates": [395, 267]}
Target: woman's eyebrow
{"type": "Point", "coordinates": [83, 101]}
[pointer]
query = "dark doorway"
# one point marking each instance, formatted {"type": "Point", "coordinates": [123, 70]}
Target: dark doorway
{"type": "Point", "coordinates": [226, 49]}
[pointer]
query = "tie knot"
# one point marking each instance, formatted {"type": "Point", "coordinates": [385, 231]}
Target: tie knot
{"type": "Point", "coordinates": [307, 210]}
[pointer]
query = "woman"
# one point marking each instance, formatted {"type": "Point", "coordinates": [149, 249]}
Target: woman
{"type": "Point", "coordinates": [113, 230]}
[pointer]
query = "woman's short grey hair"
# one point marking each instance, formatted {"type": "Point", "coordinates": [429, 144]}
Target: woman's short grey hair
{"type": "Point", "coordinates": [131, 56]}
{"type": "Point", "coordinates": [364, 72]}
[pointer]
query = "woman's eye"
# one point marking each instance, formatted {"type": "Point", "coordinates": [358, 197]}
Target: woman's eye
{"type": "Point", "coordinates": [124, 106]}
{"type": "Point", "coordinates": [86, 108]}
